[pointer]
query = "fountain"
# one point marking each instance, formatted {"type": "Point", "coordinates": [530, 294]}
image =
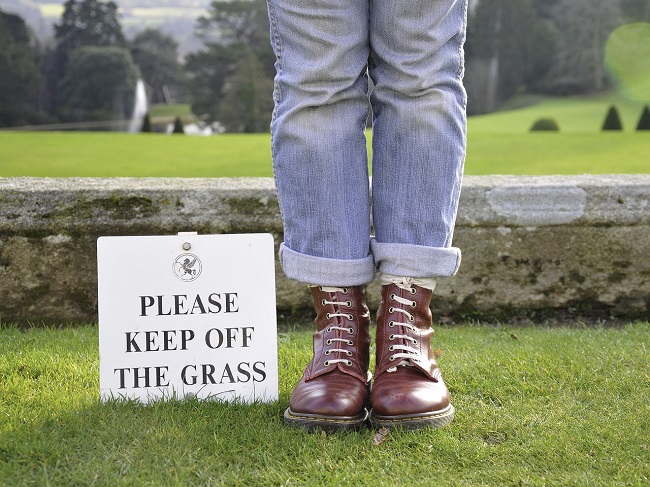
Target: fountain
{"type": "Point", "coordinates": [139, 107]}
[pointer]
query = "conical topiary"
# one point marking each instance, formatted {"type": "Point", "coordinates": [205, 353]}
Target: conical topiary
{"type": "Point", "coordinates": [178, 126]}
{"type": "Point", "coordinates": [146, 123]}
{"type": "Point", "coordinates": [612, 120]}
{"type": "Point", "coordinates": [644, 121]}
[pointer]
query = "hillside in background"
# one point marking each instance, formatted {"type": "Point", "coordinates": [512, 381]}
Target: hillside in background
{"type": "Point", "coordinates": [175, 17]}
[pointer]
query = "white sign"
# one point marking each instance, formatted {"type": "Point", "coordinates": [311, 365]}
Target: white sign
{"type": "Point", "coordinates": [187, 316]}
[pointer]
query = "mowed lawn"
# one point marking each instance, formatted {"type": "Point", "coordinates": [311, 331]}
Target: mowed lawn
{"type": "Point", "coordinates": [535, 406]}
{"type": "Point", "coordinates": [498, 143]}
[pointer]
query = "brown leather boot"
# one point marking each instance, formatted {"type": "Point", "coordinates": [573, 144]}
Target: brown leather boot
{"type": "Point", "coordinates": [333, 391]}
{"type": "Point", "coordinates": [408, 390]}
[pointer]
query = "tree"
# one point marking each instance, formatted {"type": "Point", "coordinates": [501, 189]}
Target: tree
{"type": "Point", "coordinates": [178, 126]}
{"type": "Point", "coordinates": [612, 120]}
{"type": "Point", "coordinates": [146, 124]}
{"type": "Point", "coordinates": [583, 27]}
{"type": "Point", "coordinates": [83, 23]}
{"type": "Point", "coordinates": [644, 120]}
{"type": "Point", "coordinates": [235, 70]}
{"type": "Point", "coordinates": [508, 47]}
{"type": "Point", "coordinates": [88, 23]}
{"type": "Point", "coordinates": [15, 26]}
{"type": "Point", "coordinates": [239, 23]}
{"type": "Point", "coordinates": [99, 82]}
{"type": "Point", "coordinates": [156, 54]}
{"type": "Point", "coordinates": [247, 105]}
{"type": "Point", "coordinates": [20, 76]}
{"type": "Point", "coordinates": [636, 10]}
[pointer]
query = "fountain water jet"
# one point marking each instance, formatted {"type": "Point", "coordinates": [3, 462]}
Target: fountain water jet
{"type": "Point", "coordinates": [139, 107]}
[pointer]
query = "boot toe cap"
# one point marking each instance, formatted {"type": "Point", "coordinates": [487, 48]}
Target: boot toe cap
{"type": "Point", "coordinates": [326, 396]}
{"type": "Point", "coordinates": [408, 393]}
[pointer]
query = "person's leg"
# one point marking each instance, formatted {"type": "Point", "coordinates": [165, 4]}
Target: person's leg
{"type": "Point", "coordinates": [318, 139]}
{"type": "Point", "coordinates": [419, 133]}
{"type": "Point", "coordinates": [321, 173]}
{"type": "Point", "coordinates": [419, 141]}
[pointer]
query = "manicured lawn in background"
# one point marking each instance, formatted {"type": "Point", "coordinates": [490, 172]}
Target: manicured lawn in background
{"type": "Point", "coordinates": [578, 114]}
{"type": "Point", "coordinates": [542, 153]}
{"type": "Point", "coordinates": [535, 406]}
{"type": "Point", "coordinates": [498, 143]}
{"type": "Point", "coordinates": [47, 154]}
{"type": "Point", "coordinates": [138, 155]}
{"type": "Point", "coordinates": [181, 110]}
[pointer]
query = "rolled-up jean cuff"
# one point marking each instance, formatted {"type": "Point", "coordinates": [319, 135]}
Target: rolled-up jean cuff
{"type": "Point", "coordinates": [324, 271]}
{"type": "Point", "coordinates": [415, 260]}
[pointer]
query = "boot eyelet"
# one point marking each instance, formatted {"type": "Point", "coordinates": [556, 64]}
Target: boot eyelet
{"type": "Point", "coordinates": [328, 342]}
{"type": "Point", "coordinates": [327, 352]}
{"type": "Point", "coordinates": [392, 358]}
{"type": "Point", "coordinates": [323, 302]}
{"type": "Point", "coordinates": [350, 317]}
{"type": "Point", "coordinates": [350, 342]}
{"type": "Point", "coordinates": [391, 310]}
{"type": "Point", "coordinates": [391, 337]}
{"type": "Point", "coordinates": [391, 348]}
{"type": "Point", "coordinates": [345, 290]}
{"type": "Point", "coordinates": [391, 324]}
{"type": "Point", "coordinates": [329, 329]}
{"type": "Point", "coordinates": [392, 296]}
{"type": "Point", "coordinates": [413, 304]}
{"type": "Point", "coordinates": [411, 319]}
{"type": "Point", "coordinates": [348, 304]}
{"type": "Point", "coordinates": [349, 363]}
{"type": "Point", "coordinates": [326, 363]}
{"type": "Point", "coordinates": [328, 316]}
{"type": "Point", "coordinates": [415, 342]}
{"type": "Point", "coordinates": [413, 290]}
{"type": "Point", "coordinates": [351, 331]}
{"type": "Point", "coordinates": [348, 353]}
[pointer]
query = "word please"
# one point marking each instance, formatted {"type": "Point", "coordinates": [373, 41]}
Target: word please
{"type": "Point", "coordinates": [181, 304]}
{"type": "Point", "coordinates": [166, 340]}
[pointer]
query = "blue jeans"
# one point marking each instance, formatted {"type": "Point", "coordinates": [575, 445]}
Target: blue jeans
{"type": "Point", "coordinates": [413, 52]}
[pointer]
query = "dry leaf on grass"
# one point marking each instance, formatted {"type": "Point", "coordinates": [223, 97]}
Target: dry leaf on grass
{"type": "Point", "coordinates": [380, 436]}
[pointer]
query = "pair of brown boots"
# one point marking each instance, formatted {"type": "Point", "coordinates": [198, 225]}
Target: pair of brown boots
{"type": "Point", "coordinates": [408, 391]}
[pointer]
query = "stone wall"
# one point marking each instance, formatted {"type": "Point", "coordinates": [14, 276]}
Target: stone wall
{"type": "Point", "coordinates": [532, 246]}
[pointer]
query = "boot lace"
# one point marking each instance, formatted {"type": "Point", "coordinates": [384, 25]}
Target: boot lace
{"type": "Point", "coordinates": [406, 350]}
{"type": "Point", "coordinates": [350, 330]}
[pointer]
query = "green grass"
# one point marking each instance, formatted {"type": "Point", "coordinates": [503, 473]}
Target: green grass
{"type": "Point", "coordinates": [181, 110]}
{"type": "Point", "coordinates": [499, 143]}
{"type": "Point", "coordinates": [535, 406]}
{"type": "Point", "coordinates": [573, 114]}
{"type": "Point", "coordinates": [104, 154]}
{"type": "Point", "coordinates": [542, 153]}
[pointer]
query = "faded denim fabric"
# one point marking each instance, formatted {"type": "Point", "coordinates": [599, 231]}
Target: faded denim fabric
{"type": "Point", "coordinates": [325, 50]}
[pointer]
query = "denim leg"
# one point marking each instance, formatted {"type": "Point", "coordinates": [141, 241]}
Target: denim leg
{"type": "Point", "coordinates": [419, 133]}
{"type": "Point", "coordinates": [318, 139]}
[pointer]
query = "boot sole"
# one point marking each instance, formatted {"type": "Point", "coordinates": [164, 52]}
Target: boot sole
{"type": "Point", "coordinates": [313, 422]}
{"type": "Point", "coordinates": [436, 419]}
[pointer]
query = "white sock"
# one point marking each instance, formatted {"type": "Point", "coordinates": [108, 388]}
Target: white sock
{"type": "Point", "coordinates": [405, 282]}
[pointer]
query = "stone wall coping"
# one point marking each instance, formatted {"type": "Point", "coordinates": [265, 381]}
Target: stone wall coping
{"type": "Point", "coordinates": [530, 244]}
{"type": "Point", "coordinates": [485, 200]}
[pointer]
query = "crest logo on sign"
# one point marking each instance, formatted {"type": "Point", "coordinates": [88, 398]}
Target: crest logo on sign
{"type": "Point", "coordinates": [187, 267]}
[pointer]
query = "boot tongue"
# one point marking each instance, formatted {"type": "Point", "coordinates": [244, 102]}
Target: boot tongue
{"type": "Point", "coordinates": [403, 363]}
